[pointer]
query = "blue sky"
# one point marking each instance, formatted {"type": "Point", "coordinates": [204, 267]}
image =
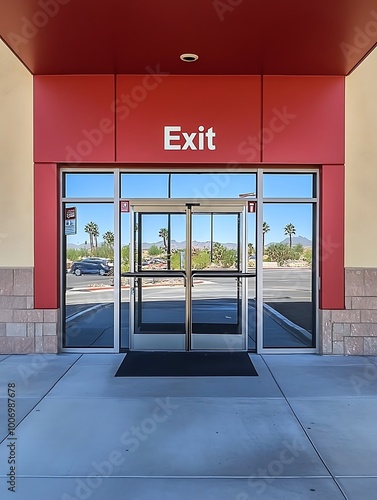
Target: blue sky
{"type": "Point", "coordinates": [192, 186]}
{"type": "Point", "coordinates": [277, 216]}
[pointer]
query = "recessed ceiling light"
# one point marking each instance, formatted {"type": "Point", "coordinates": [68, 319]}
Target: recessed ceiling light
{"type": "Point", "coordinates": [189, 57]}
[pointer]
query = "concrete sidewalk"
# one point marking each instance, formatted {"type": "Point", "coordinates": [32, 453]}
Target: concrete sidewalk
{"type": "Point", "coordinates": [305, 428]}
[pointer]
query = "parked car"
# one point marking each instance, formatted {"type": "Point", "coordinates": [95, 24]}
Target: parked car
{"type": "Point", "coordinates": [96, 259]}
{"type": "Point", "coordinates": [79, 268]}
{"type": "Point", "coordinates": [105, 262]}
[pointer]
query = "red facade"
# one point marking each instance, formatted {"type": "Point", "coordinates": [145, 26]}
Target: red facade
{"type": "Point", "coordinates": [214, 120]}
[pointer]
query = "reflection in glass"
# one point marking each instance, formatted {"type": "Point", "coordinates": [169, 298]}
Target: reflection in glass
{"type": "Point", "coordinates": [89, 263]}
{"type": "Point", "coordinates": [277, 185]}
{"type": "Point", "coordinates": [159, 305]}
{"type": "Point", "coordinates": [216, 305]}
{"type": "Point", "coordinates": [89, 185]}
{"type": "Point", "coordinates": [288, 277]}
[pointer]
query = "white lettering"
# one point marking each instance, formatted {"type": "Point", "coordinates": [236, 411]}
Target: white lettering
{"type": "Point", "coordinates": [189, 140]}
{"type": "Point", "coordinates": [210, 134]}
{"type": "Point", "coordinates": [168, 138]}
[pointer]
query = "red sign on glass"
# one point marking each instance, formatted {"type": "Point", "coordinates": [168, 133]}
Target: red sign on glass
{"type": "Point", "coordinates": [70, 226]}
{"type": "Point", "coordinates": [251, 205]}
{"type": "Point", "coordinates": [70, 213]}
{"type": "Point", "coordinates": [124, 206]}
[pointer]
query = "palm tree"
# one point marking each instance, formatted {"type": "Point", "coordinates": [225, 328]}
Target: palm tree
{"type": "Point", "coordinates": [289, 230]}
{"type": "Point", "coordinates": [95, 234]}
{"type": "Point", "coordinates": [265, 230]}
{"type": "Point", "coordinates": [164, 234]}
{"type": "Point", "coordinates": [92, 229]}
{"type": "Point", "coordinates": [108, 238]}
{"type": "Point", "coordinates": [88, 229]}
{"type": "Point", "coordinates": [251, 250]}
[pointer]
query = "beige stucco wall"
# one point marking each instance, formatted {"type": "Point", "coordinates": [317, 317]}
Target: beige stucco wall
{"type": "Point", "coordinates": [361, 165]}
{"type": "Point", "coordinates": [16, 167]}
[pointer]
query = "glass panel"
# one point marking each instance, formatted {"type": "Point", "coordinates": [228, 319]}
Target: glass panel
{"type": "Point", "coordinates": [251, 267]}
{"type": "Point", "coordinates": [216, 301]}
{"type": "Point", "coordinates": [124, 282]}
{"type": "Point", "coordinates": [216, 306]}
{"type": "Point", "coordinates": [288, 185]}
{"type": "Point", "coordinates": [161, 239]}
{"type": "Point", "coordinates": [215, 241]}
{"type": "Point", "coordinates": [89, 296]}
{"type": "Point", "coordinates": [288, 276]}
{"type": "Point", "coordinates": [144, 185]}
{"type": "Point", "coordinates": [252, 314]}
{"type": "Point", "coordinates": [224, 185]}
{"type": "Point", "coordinates": [160, 305]}
{"type": "Point", "coordinates": [99, 185]}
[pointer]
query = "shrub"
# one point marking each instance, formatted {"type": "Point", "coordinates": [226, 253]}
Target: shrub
{"type": "Point", "coordinates": [224, 257]}
{"type": "Point", "coordinates": [278, 252]}
{"type": "Point", "coordinates": [175, 260]}
{"type": "Point", "coordinates": [201, 260]}
{"type": "Point", "coordinates": [125, 262]}
{"type": "Point", "coordinates": [154, 250]}
{"type": "Point", "coordinates": [307, 255]}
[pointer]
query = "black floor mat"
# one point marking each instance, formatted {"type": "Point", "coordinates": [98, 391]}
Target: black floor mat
{"type": "Point", "coordinates": [186, 364]}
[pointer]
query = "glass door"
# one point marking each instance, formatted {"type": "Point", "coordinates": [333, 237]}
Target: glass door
{"type": "Point", "coordinates": [188, 275]}
{"type": "Point", "coordinates": [158, 280]}
{"type": "Point", "coordinates": [218, 292]}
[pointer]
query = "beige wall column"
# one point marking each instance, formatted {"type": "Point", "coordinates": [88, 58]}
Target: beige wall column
{"type": "Point", "coordinates": [16, 162]}
{"type": "Point", "coordinates": [23, 329]}
{"type": "Point", "coordinates": [354, 331]}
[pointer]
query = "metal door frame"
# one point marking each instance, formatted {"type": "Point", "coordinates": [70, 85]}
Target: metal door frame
{"type": "Point", "coordinates": [188, 340]}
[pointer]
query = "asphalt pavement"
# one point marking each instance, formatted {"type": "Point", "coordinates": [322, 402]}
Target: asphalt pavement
{"type": "Point", "coordinates": [286, 291]}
